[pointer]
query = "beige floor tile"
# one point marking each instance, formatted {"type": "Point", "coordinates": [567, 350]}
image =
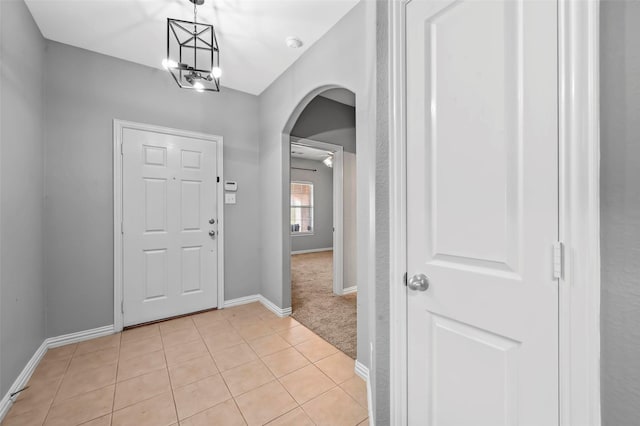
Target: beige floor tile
{"type": "Point", "coordinates": [199, 396]}
{"type": "Point", "coordinates": [254, 330]}
{"type": "Point", "coordinates": [37, 397]}
{"type": "Point", "coordinates": [208, 318]}
{"type": "Point", "coordinates": [365, 422]}
{"type": "Point", "coordinates": [235, 313]}
{"type": "Point", "coordinates": [83, 381]}
{"type": "Point", "coordinates": [268, 344]}
{"type": "Point", "coordinates": [48, 371]}
{"type": "Point", "coordinates": [284, 362]}
{"type": "Point", "coordinates": [297, 335]}
{"type": "Point", "coordinates": [157, 411]}
{"type": "Point", "coordinates": [338, 367]}
{"type": "Point", "coordinates": [296, 417]}
{"type": "Point", "coordinates": [316, 349]}
{"type": "Point", "coordinates": [28, 418]}
{"type": "Point", "coordinates": [181, 353]}
{"type": "Point", "coordinates": [335, 408]}
{"type": "Point", "coordinates": [180, 337]}
{"type": "Point", "coordinates": [192, 371]}
{"type": "Point", "coordinates": [215, 328]}
{"type": "Point", "coordinates": [257, 308]}
{"type": "Point", "coordinates": [91, 360]}
{"type": "Point", "coordinates": [247, 377]}
{"type": "Point", "coordinates": [111, 341]}
{"type": "Point", "coordinates": [357, 389]}
{"type": "Point", "coordinates": [224, 414]}
{"type": "Point", "coordinates": [222, 341]}
{"type": "Point", "coordinates": [100, 421]}
{"type": "Point", "coordinates": [234, 356]}
{"type": "Point", "coordinates": [138, 366]}
{"type": "Point", "coordinates": [82, 408]}
{"type": "Point", "coordinates": [132, 348]}
{"type": "Point", "coordinates": [176, 324]}
{"type": "Point", "coordinates": [281, 324]}
{"type": "Point", "coordinates": [140, 333]}
{"type": "Point", "coordinates": [60, 353]}
{"type": "Point", "coordinates": [140, 388]}
{"type": "Point", "coordinates": [306, 383]}
{"type": "Point", "coordinates": [265, 403]}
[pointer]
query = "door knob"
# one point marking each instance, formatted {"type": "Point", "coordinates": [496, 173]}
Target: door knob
{"type": "Point", "coordinates": [418, 282]}
{"type": "Point", "coordinates": [212, 233]}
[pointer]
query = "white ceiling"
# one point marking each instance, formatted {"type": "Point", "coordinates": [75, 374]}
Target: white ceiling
{"type": "Point", "coordinates": [344, 96]}
{"type": "Point", "coordinates": [251, 33]}
{"type": "Point", "coordinates": [308, 153]}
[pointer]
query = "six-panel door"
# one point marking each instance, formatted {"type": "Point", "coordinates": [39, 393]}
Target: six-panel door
{"type": "Point", "coordinates": [169, 199]}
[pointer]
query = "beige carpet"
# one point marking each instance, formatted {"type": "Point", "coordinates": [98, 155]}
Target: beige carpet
{"type": "Point", "coordinates": [331, 317]}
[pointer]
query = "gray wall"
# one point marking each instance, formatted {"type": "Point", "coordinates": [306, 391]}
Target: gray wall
{"type": "Point", "coordinates": [322, 181]}
{"type": "Point", "coordinates": [620, 211]}
{"type": "Point", "coordinates": [343, 57]}
{"type": "Point", "coordinates": [84, 92]}
{"type": "Point", "coordinates": [22, 319]}
{"type": "Point", "coordinates": [328, 121]}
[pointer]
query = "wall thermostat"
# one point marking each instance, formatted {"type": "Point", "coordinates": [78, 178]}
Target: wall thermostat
{"type": "Point", "coordinates": [230, 185]}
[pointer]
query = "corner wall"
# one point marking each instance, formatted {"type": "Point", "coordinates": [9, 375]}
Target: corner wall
{"type": "Point", "coordinates": [22, 299]}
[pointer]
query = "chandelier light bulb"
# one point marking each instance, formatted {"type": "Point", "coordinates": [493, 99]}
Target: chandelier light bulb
{"type": "Point", "coordinates": [169, 63]}
{"type": "Point", "coordinates": [198, 86]}
{"type": "Point", "coordinates": [216, 72]}
{"type": "Point", "coordinates": [328, 161]}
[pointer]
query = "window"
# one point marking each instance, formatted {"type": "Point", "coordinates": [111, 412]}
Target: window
{"type": "Point", "coordinates": [301, 208]}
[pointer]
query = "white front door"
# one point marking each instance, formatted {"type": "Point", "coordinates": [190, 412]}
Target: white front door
{"type": "Point", "coordinates": [482, 189]}
{"type": "Point", "coordinates": [169, 208]}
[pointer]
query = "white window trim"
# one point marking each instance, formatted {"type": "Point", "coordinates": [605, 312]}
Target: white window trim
{"type": "Point", "coordinates": [579, 149]}
{"type": "Point", "coordinates": [312, 207]}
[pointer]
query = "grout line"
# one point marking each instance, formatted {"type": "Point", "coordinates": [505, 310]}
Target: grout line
{"type": "Point", "coordinates": [166, 365]}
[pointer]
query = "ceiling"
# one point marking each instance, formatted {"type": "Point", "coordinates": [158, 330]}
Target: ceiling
{"type": "Point", "coordinates": [308, 153]}
{"type": "Point", "coordinates": [344, 96]}
{"type": "Point", "coordinates": [251, 33]}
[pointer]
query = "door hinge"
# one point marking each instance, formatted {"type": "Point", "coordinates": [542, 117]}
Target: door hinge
{"type": "Point", "coordinates": [122, 306]}
{"type": "Point", "coordinates": [218, 179]}
{"type": "Point", "coordinates": [404, 279]}
{"type": "Point", "coordinates": [558, 260]}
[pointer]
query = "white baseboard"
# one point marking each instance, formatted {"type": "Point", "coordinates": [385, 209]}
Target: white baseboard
{"type": "Point", "coordinates": [242, 300]}
{"type": "Point", "coordinates": [281, 312]}
{"type": "Point", "coordinates": [51, 342]}
{"type": "Point", "coordinates": [363, 372]}
{"type": "Point", "coordinates": [349, 290]}
{"type": "Point", "coordinates": [312, 250]}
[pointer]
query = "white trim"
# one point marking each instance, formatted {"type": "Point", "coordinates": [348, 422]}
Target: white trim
{"type": "Point", "coordinates": [118, 127]}
{"type": "Point", "coordinates": [349, 290]}
{"type": "Point", "coordinates": [22, 379]}
{"type": "Point", "coordinates": [579, 156]}
{"type": "Point", "coordinates": [363, 372]}
{"type": "Point", "coordinates": [312, 250]}
{"type": "Point", "coordinates": [338, 204]}
{"type": "Point", "coordinates": [80, 336]}
{"type": "Point", "coordinates": [579, 357]}
{"type": "Point", "coordinates": [281, 312]}
{"type": "Point", "coordinates": [51, 342]}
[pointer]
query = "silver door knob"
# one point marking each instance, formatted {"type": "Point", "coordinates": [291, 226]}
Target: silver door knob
{"type": "Point", "coordinates": [212, 233]}
{"type": "Point", "coordinates": [418, 282]}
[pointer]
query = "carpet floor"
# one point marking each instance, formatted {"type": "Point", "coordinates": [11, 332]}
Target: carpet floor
{"type": "Point", "coordinates": [314, 305]}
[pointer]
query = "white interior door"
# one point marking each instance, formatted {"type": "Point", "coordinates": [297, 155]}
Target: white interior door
{"type": "Point", "coordinates": [482, 189]}
{"type": "Point", "coordinates": [169, 209]}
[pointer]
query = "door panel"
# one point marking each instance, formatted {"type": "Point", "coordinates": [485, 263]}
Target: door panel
{"type": "Point", "coordinates": [169, 196]}
{"type": "Point", "coordinates": [482, 183]}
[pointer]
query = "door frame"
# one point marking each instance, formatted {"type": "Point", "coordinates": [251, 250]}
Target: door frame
{"type": "Point", "coordinates": [579, 212]}
{"type": "Point", "coordinates": [118, 243]}
{"type": "Point", "coordinates": [338, 205]}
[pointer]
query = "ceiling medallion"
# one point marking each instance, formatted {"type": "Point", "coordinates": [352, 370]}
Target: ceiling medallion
{"type": "Point", "coordinates": [193, 57]}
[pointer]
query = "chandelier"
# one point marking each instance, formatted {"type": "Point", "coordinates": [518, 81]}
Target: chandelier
{"type": "Point", "coordinates": [193, 57]}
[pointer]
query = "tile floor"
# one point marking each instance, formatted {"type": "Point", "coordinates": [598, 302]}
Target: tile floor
{"type": "Point", "coordinates": [236, 366]}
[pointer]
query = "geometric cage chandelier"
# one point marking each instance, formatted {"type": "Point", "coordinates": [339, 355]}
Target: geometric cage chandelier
{"type": "Point", "coordinates": [193, 56]}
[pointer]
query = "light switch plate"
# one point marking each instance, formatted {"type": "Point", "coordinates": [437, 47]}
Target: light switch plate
{"type": "Point", "coordinates": [229, 198]}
